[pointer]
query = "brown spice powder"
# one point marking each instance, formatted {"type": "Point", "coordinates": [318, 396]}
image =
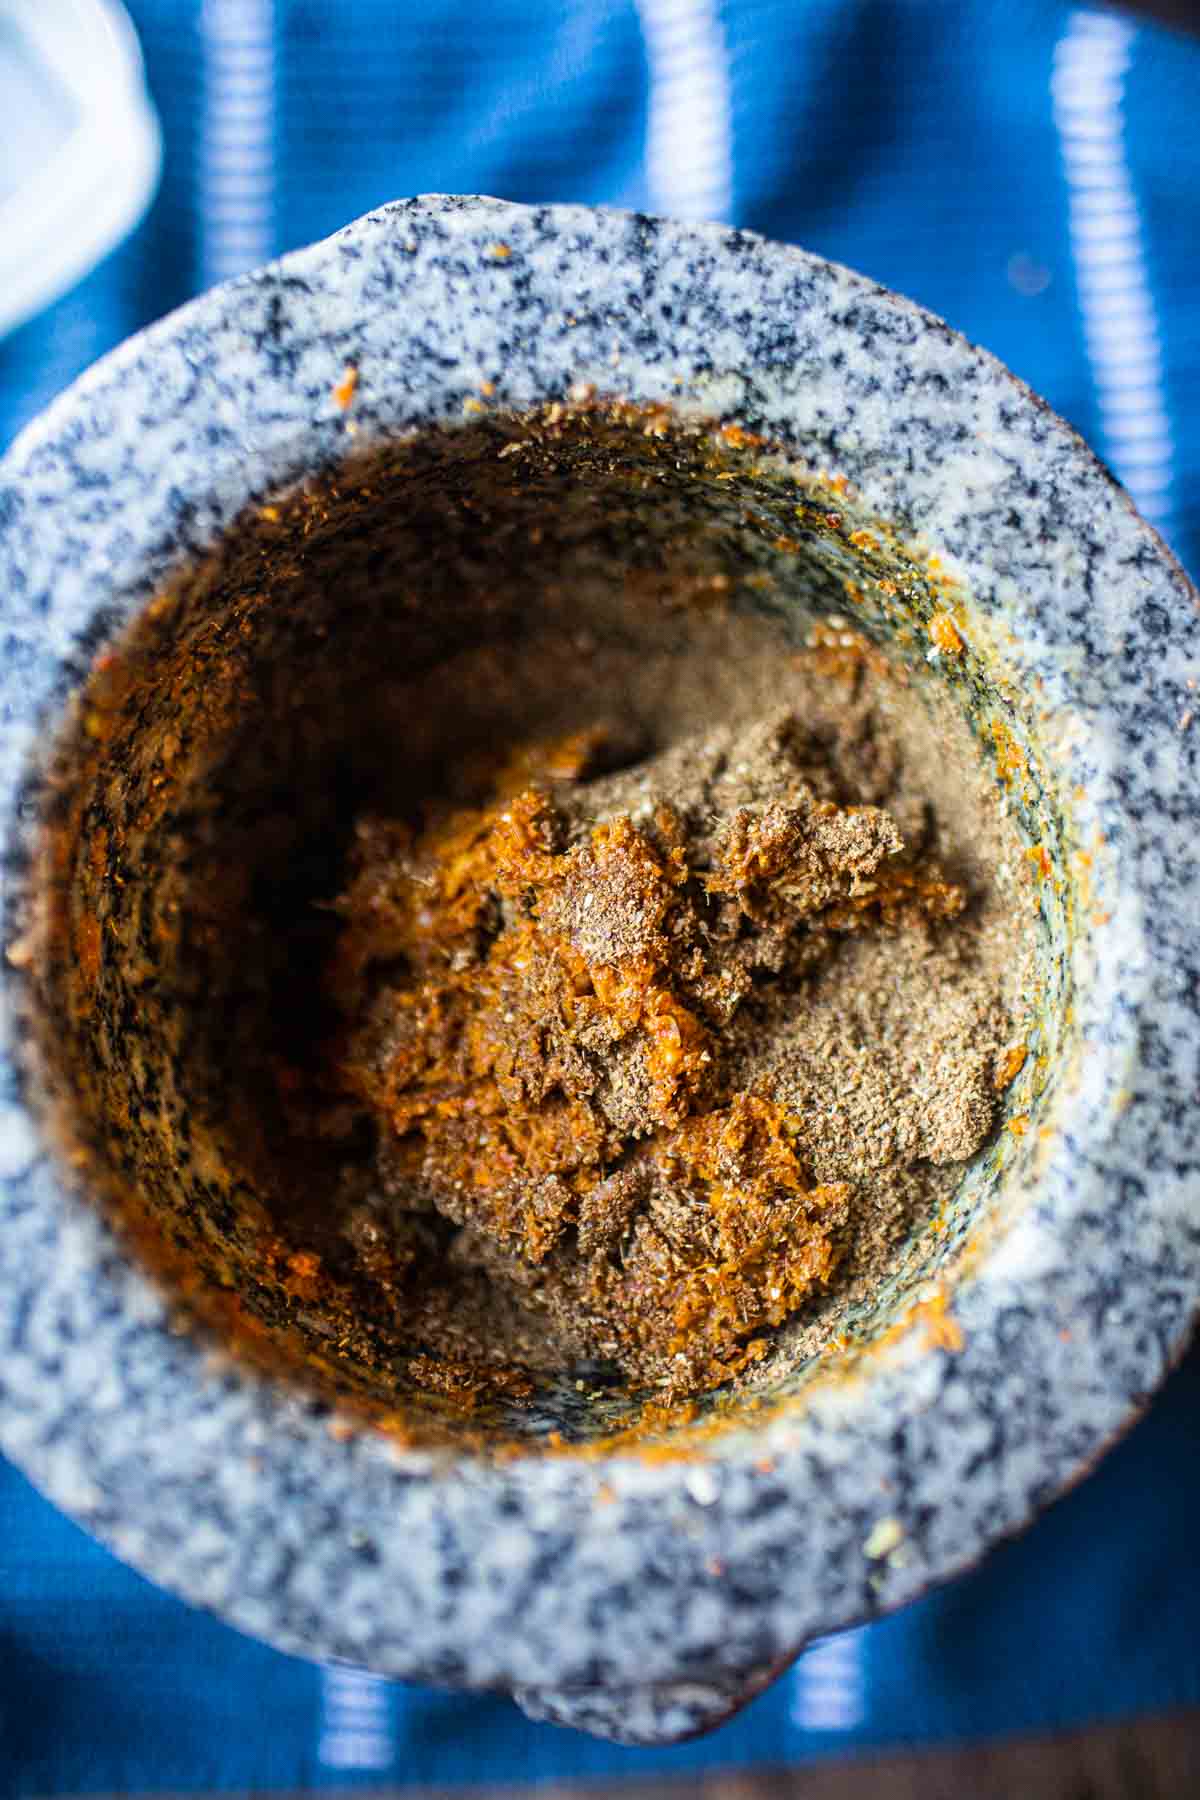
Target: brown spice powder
{"type": "Point", "coordinates": [658, 1058]}
{"type": "Point", "coordinates": [668, 1053]}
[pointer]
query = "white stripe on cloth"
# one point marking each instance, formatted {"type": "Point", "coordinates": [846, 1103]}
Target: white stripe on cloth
{"type": "Point", "coordinates": [689, 134]}
{"type": "Point", "coordinates": [829, 1688]}
{"type": "Point", "coordinates": [236, 172]}
{"type": "Point", "coordinates": [356, 1720]}
{"type": "Point", "coordinates": [1120, 323]}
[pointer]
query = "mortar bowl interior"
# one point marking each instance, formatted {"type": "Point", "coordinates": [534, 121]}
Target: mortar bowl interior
{"type": "Point", "coordinates": [344, 642]}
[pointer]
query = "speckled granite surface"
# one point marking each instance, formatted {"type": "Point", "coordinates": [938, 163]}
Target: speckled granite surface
{"type": "Point", "coordinates": [634, 1598]}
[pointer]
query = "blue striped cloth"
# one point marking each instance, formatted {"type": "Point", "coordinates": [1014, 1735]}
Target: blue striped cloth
{"type": "Point", "coordinates": [1033, 174]}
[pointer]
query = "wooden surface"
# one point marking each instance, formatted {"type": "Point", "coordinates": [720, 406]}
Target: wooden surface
{"type": "Point", "coordinates": [1149, 1760]}
{"type": "Point", "coordinates": [1152, 1759]}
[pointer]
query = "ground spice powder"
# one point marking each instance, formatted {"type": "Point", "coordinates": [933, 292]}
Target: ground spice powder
{"type": "Point", "coordinates": [656, 1050]}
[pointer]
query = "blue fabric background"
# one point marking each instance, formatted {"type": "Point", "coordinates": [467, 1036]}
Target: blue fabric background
{"type": "Point", "coordinates": [914, 141]}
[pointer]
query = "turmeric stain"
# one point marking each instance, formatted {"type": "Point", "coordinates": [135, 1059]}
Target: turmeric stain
{"type": "Point", "coordinates": [1010, 758]}
{"type": "Point", "coordinates": [1010, 1066]}
{"type": "Point", "coordinates": [945, 634]}
{"type": "Point", "coordinates": [343, 393]}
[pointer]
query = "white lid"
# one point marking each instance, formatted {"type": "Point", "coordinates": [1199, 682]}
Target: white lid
{"type": "Point", "coordinates": [80, 149]}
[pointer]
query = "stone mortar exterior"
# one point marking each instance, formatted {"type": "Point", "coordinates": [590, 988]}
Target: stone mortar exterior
{"type": "Point", "coordinates": [638, 1599]}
